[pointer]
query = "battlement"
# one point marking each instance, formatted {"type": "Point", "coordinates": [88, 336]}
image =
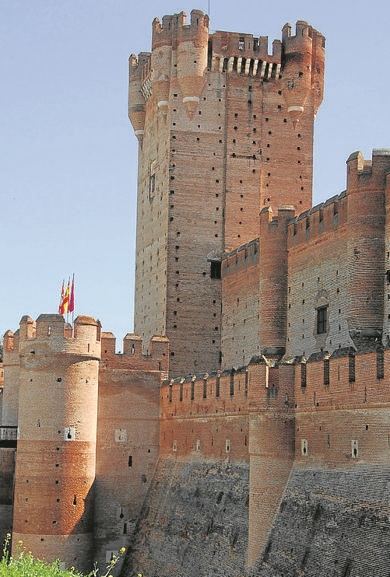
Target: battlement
{"type": "Point", "coordinates": [362, 175]}
{"type": "Point", "coordinates": [235, 390]}
{"type": "Point", "coordinates": [245, 54]}
{"type": "Point", "coordinates": [241, 257]}
{"type": "Point", "coordinates": [321, 380]}
{"type": "Point", "coordinates": [176, 26]}
{"type": "Point", "coordinates": [322, 219]}
{"type": "Point", "coordinates": [366, 174]}
{"type": "Point", "coordinates": [132, 357]}
{"type": "Point", "coordinates": [304, 35]}
{"type": "Point", "coordinates": [271, 222]}
{"type": "Point", "coordinates": [50, 332]}
{"type": "Point", "coordinates": [139, 68]}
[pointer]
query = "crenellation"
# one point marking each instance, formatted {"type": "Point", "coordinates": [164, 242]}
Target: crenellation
{"type": "Point", "coordinates": [323, 219]}
{"type": "Point", "coordinates": [246, 255]}
{"type": "Point", "coordinates": [364, 174]}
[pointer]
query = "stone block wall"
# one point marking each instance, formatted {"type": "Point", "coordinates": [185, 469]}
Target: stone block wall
{"type": "Point", "coordinates": [331, 521]}
{"type": "Point", "coordinates": [194, 521]}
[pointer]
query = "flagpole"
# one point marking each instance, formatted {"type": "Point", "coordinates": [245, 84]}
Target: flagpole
{"type": "Point", "coordinates": [72, 299]}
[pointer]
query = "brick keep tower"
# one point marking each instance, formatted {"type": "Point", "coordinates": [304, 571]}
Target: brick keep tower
{"type": "Point", "coordinates": [56, 454]}
{"type": "Point", "coordinates": [225, 129]}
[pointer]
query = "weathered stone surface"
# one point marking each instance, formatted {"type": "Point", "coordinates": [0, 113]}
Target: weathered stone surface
{"type": "Point", "coordinates": [194, 521]}
{"type": "Point", "coordinates": [331, 523]}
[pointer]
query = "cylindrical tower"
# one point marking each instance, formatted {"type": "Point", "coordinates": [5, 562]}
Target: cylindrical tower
{"type": "Point", "coordinates": [11, 379]}
{"type": "Point", "coordinates": [273, 280]}
{"type": "Point", "coordinates": [192, 59]}
{"type": "Point", "coordinates": [161, 61]}
{"type": "Point", "coordinates": [55, 464]}
{"type": "Point", "coordinates": [366, 182]}
{"type": "Point", "coordinates": [136, 104]}
{"type": "Point", "coordinates": [297, 69]}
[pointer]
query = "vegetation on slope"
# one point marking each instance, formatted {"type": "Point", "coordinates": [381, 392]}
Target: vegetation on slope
{"type": "Point", "coordinates": [25, 565]}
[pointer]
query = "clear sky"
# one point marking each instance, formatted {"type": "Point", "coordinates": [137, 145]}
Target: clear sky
{"type": "Point", "coordinates": [68, 156]}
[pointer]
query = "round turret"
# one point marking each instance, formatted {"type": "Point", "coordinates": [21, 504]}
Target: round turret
{"type": "Point", "coordinates": [192, 59]}
{"type": "Point", "coordinates": [161, 67]}
{"type": "Point", "coordinates": [297, 77]}
{"type": "Point", "coordinates": [11, 379]}
{"type": "Point", "coordinates": [136, 108]}
{"type": "Point", "coordinates": [55, 464]}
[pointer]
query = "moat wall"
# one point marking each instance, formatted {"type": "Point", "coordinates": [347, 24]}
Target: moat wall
{"type": "Point", "coordinates": [194, 521]}
{"type": "Point", "coordinates": [331, 522]}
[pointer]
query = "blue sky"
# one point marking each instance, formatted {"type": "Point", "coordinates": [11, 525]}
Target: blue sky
{"type": "Point", "coordinates": [68, 157]}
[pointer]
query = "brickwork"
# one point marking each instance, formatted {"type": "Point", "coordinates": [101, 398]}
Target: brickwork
{"type": "Point", "coordinates": [217, 143]}
{"type": "Point", "coordinates": [386, 280]}
{"type": "Point", "coordinates": [240, 312]}
{"type": "Point", "coordinates": [127, 438]}
{"type": "Point", "coordinates": [221, 401]}
{"type": "Point", "coordinates": [352, 407]}
{"type": "Point", "coordinates": [55, 464]}
{"type": "Point", "coordinates": [336, 261]}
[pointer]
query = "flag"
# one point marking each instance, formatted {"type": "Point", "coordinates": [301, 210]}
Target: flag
{"type": "Point", "coordinates": [71, 299]}
{"type": "Point", "coordinates": [64, 307]}
{"type": "Point", "coordinates": [61, 299]}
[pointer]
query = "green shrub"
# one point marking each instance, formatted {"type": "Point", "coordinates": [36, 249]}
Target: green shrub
{"type": "Point", "coordinates": [25, 565]}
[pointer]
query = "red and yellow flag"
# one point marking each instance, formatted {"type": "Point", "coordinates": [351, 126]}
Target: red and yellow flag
{"type": "Point", "coordinates": [64, 306]}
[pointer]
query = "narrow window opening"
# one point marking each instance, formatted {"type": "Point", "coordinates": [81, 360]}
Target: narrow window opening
{"type": "Point", "coordinates": [303, 375]}
{"type": "Point", "coordinates": [354, 449]}
{"type": "Point", "coordinates": [322, 318]}
{"type": "Point", "coordinates": [380, 364]}
{"type": "Point", "coordinates": [326, 372]}
{"type": "Point", "coordinates": [351, 368]}
{"type": "Point", "coordinates": [130, 461]}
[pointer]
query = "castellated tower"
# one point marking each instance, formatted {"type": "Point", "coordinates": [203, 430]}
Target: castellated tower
{"type": "Point", "coordinates": [55, 463]}
{"type": "Point", "coordinates": [225, 129]}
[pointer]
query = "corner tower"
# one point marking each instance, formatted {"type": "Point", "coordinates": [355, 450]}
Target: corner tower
{"type": "Point", "coordinates": [225, 128]}
{"type": "Point", "coordinates": [56, 453]}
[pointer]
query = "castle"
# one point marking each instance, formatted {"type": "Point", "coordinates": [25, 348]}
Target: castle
{"type": "Point", "coordinates": [245, 427]}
